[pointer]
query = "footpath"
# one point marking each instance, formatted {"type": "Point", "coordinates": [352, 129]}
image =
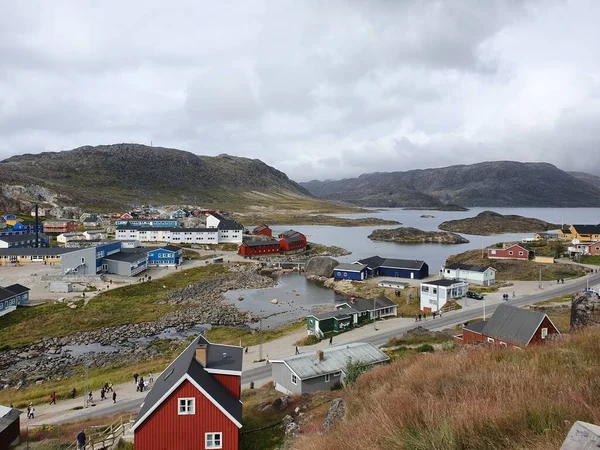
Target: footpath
{"type": "Point", "coordinates": [126, 392]}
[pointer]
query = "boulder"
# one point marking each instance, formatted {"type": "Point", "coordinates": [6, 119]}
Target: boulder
{"type": "Point", "coordinates": [335, 414]}
{"type": "Point", "coordinates": [582, 436]}
{"type": "Point", "coordinates": [320, 266]}
{"type": "Point", "coordinates": [582, 310]}
{"type": "Point", "coordinates": [281, 403]}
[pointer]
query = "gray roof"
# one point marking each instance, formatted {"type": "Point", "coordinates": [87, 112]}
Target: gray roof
{"type": "Point", "coordinates": [445, 282]}
{"type": "Point", "coordinates": [513, 325]}
{"type": "Point", "coordinates": [471, 267]}
{"type": "Point", "coordinates": [186, 363]}
{"type": "Point", "coordinates": [335, 359]}
{"type": "Point", "coordinates": [258, 243]}
{"type": "Point", "coordinates": [476, 327]}
{"type": "Point", "coordinates": [127, 256]}
{"type": "Point", "coordinates": [377, 261]}
{"type": "Point", "coordinates": [289, 233]}
{"type": "Point", "coordinates": [351, 267]}
{"type": "Point", "coordinates": [32, 251]}
{"type": "Point", "coordinates": [8, 418]}
{"type": "Point", "coordinates": [5, 294]}
{"type": "Point", "coordinates": [367, 304]}
{"type": "Point", "coordinates": [337, 314]}
{"type": "Point", "coordinates": [20, 237]}
{"type": "Point", "coordinates": [294, 238]}
{"type": "Point", "coordinates": [91, 219]}
{"type": "Point", "coordinates": [17, 288]}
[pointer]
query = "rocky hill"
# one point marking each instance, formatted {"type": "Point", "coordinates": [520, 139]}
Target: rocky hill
{"type": "Point", "coordinates": [587, 177]}
{"type": "Point", "coordinates": [109, 176]}
{"type": "Point", "coordinates": [490, 222]}
{"type": "Point", "coordinates": [409, 235]}
{"type": "Point", "coordinates": [500, 183]}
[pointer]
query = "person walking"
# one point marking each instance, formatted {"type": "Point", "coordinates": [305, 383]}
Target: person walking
{"type": "Point", "coordinates": [114, 397]}
{"type": "Point", "coordinates": [53, 398]}
{"type": "Point", "coordinates": [102, 394]}
{"type": "Point", "coordinates": [73, 393]}
{"type": "Point", "coordinates": [150, 378]}
{"type": "Point", "coordinates": [433, 315]}
{"type": "Point", "coordinates": [514, 295]}
{"type": "Point", "coordinates": [419, 317]}
{"type": "Point", "coordinates": [416, 317]}
{"type": "Point", "coordinates": [297, 351]}
{"type": "Point", "coordinates": [81, 440]}
{"type": "Point", "coordinates": [330, 340]}
{"type": "Point", "coordinates": [135, 378]}
{"type": "Point", "coordinates": [110, 386]}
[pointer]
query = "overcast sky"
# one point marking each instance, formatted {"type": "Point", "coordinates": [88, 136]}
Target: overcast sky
{"type": "Point", "coordinates": [318, 89]}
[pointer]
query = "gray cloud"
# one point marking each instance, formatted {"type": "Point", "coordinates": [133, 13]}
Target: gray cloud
{"type": "Point", "coordinates": [318, 89]}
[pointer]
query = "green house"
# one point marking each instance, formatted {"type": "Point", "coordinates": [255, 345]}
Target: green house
{"type": "Point", "coordinates": [332, 321]}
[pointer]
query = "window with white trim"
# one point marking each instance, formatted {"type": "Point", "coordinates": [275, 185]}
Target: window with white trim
{"type": "Point", "coordinates": [337, 374]}
{"type": "Point", "coordinates": [213, 440]}
{"type": "Point", "coordinates": [544, 333]}
{"type": "Point", "coordinates": [490, 340]}
{"type": "Point", "coordinates": [294, 379]}
{"type": "Point", "coordinates": [520, 253]}
{"type": "Point", "coordinates": [187, 406]}
{"type": "Point", "coordinates": [327, 378]}
{"type": "Point", "coordinates": [510, 252]}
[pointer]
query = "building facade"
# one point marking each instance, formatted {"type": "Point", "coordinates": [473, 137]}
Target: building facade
{"type": "Point", "coordinates": [151, 223]}
{"type": "Point", "coordinates": [395, 268]}
{"type": "Point", "coordinates": [197, 399]}
{"type": "Point", "coordinates": [356, 272]}
{"type": "Point", "coordinates": [59, 226]}
{"type": "Point", "coordinates": [483, 275]}
{"type": "Point", "coordinates": [89, 260]}
{"type": "Point", "coordinates": [13, 296]}
{"type": "Point", "coordinates": [169, 255]}
{"type": "Point", "coordinates": [23, 240]}
{"type": "Point", "coordinates": [435, 294]}
{"type": "Point", "coordinates": [262, 230]}
{"type": "Point", "coordinates": [512, 252]}
{"type": "Point", "coordinates": [259, 248]}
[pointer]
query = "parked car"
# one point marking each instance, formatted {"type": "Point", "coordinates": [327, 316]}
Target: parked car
{"type": "Point", "coordinates": [475, 295]}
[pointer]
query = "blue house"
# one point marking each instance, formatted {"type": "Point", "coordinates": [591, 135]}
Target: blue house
{"type": "Point", "coordinates": [396, 268]}
{"type": "Point", "coordinates": [27, 227]}
{"type": "Point", "coordinates": [179, 214]}
{"type": "Point", "coordinates": [11, 240]}
{"type": "Point", "coordinates": [354, 271]}
{"type": "Point", "coordinates": [169, 255]}
{"type": "Point", "coordinates": [11, 296]}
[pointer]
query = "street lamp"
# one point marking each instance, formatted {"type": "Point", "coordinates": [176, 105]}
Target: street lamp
{"type": "Point", "coordinates": [374, 323]}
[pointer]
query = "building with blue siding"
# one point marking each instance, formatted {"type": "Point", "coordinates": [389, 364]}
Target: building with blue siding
{"type": "Point", "coordinates": [169, 255]}
{"type": "Point", "coordinates": [357, 272]}
{"type": "Point", "coordinates": [179, 214]}
{"type": "Point", "coordinates": [395, 268]}
{"type": "Point", "coordinates": [27, 228]}
{"type": "Point", "coordinates": [22, 240]}
{"type": "Point", "coordinates": [12, 296]}
{"type": "Point", "coordinates": [89, 260]}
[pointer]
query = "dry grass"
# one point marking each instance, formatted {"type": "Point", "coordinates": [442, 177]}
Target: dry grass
{"type": "Point", "coordinates": [472, 398]}
{"type": "Point", "coordinates": [508, 269]}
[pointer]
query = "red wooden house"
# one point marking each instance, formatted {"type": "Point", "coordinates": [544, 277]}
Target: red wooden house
{"type": "Point", "coordinates": [292, 243]}
{"type": "Point", "coordinates": [259, 248]}
{"type": "Point", "coordinates": [513, 252]}
{"type": "Point", "coordinates": [509, 326]}
{"type": "Point", "coordinates": [263, 230]}
{"type": "Point", "coordinates": [195, 403]}
{"type": "Point", "coordinates": [59, 226]}
{"type": "Point", "coordinates": [291, 233]}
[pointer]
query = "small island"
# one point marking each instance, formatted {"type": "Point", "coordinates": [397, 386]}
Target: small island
{"type": "Point", "coordinates": [409, 235]}
{"type": "Point", "coordinates": [446, 207]}
{"type": "Point", "coordinates": [487, 223]}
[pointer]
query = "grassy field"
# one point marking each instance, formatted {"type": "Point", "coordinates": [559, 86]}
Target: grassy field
{"type": "Point", "coordinates": [519, 270]}
{"type": "Point", "coordinates": [493, 399]}
{"type": "Point", "coordinates": [126, 305]}
{"type": "Point", "coordinates": [591, 259]}
{"type": "Point", "coordinates": [247, 338]}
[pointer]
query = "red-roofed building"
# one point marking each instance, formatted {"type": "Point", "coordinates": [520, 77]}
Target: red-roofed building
{"type": "Point", "coordinates": [263, 230]}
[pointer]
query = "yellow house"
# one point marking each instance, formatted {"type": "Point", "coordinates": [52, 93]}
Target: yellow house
{"type": "Point", "coordinates": [12, 222]}
{"type": "Point", "coordinates": [565, 234]}
{"type": "Point", "coordinates": [585, 233]}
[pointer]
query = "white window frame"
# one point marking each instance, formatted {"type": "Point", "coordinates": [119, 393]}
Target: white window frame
{"type": "Point", "coordinates": [544, 333]}
{"type": "Point", "coordinates": [188, 404]}
{"type": "Point", "coordinates": [327, 378]}
{"type": "Point", "coordinates": [337, 374]}
{"type": "Point", "coordinates": [294, 379]}
{"type": "Point", "coordinates": [510, 252]}
{"type": "Point", "coordinates": [490, 340]}
{"type": "Point", "coordinates": [211, 438]}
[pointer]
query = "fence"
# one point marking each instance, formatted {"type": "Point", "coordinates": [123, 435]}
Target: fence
{"type": "Point", "coordinates": [106, 437]}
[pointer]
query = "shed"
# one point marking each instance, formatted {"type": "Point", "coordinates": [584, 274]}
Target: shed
{"type": "Point", "coordinates": [10, 427]}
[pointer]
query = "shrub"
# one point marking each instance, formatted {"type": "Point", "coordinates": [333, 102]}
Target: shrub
{"type": "Point", "coordinates": [425, 348]}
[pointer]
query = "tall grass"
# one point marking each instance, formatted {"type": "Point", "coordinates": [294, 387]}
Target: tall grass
{"type": "Point", "coordinates": [473, 398]}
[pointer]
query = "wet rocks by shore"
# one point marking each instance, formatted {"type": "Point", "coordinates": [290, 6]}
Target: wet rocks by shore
{"type": "Point", "coordinates": [413, 236]}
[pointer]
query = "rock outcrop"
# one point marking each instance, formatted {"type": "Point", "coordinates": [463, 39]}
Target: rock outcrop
{"type": "Point", "coordinates": [582, 310]}
{"type": "Point", "coordinates": [489, 222]}
{"type": "Point", "coordinates": [319, 267]}
{"type": "Point", "coordinates": [415, 236]}
{"type": "Point", "coordinates": [335, 414]}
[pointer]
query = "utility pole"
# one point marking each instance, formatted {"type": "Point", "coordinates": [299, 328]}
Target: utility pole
{"type": "Point", "coordinates": [85, 383]}
{"type": "Point", "coordinates": [484, 307]}
{"type": "Point", "coordinates": [540, 286]}
{"type": "Point", "coordinates": [260, 338]}
{"type": "Point", "coordinates": [374, 323]}
{"type": "Point", "coordinates": [482, 247]}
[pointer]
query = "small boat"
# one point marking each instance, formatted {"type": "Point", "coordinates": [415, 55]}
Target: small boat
{"type": "Point", "coordinates": [274, 301]}
{"type": "Point", "coordinates": [240, 298]}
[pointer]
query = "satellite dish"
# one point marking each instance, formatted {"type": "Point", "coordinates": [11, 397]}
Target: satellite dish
{"type": "Point", "coordinates": [575, 241]}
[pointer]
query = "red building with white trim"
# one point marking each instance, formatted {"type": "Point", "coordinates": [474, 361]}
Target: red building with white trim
{"type": "Point", "coordinates": [195, 403]}
{"type": "Point", "coordinates": [513, 252]}
{"type": "Point", "coordinates": [292, 243]}
{"type": "Point", "coordinates": [263, 230]}
{"type": "Point", "coordinates": [509, 326]}
{"type": "Point", "coordinates": [291, 233]}
{"type": "Point", "coordinates": [259, 248]}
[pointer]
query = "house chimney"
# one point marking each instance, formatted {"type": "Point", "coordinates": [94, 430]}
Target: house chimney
{"type": "Point", "coordinates": [320, 355]}
{"type": "Point", "coordinates": [201, 351]}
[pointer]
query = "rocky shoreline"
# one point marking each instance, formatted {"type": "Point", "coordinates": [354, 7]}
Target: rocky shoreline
{"type": "Point", "coordinates": [488, 222]}
{"type": "Point", "coordinates": [201, 303]}
{"type": "Point", "coordinates": [409, 235]}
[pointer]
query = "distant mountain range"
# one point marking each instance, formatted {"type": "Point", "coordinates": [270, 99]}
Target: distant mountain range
{"type": "Point", "coordinates": [113, 176]}
{"type": "Point", "coordinates": [500, 183]}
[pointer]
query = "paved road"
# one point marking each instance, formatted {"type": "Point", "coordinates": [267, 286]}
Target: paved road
{"type": "Point", "coordinates": [263, 374]}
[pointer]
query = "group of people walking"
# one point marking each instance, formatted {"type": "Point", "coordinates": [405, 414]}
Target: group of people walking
{"type": "Point", "coordinates": [142, 385]}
